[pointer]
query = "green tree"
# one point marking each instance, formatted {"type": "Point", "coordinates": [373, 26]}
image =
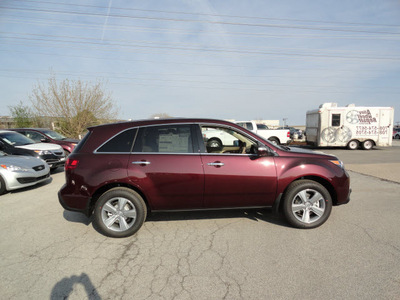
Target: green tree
{"type": "Point", "coordinates": [75, 104]}
{"type": "Point", "coordinates": [22, 115]}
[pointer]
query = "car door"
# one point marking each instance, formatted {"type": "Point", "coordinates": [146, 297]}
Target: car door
{"type": "Point", "coordinates": [165, 166]}
{"type": "Point", "coordinates": [235, 176]}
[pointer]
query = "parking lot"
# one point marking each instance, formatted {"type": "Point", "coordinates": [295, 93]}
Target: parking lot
{"type": "Point", "coordinates": [47, 252]}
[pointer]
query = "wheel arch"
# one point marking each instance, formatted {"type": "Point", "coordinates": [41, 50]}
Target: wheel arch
{"type": "Point", "coordinates": [271, 138]}
{"type": "Point", "coordinates": [107, 187]}
{"type": "Point", "coordinates": [324, 182]}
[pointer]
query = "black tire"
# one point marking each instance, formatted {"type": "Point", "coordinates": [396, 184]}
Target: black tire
{"type": "Point", "coordinates": [306, 204]}
{"type": "Point", "coordinates": [123, 208]}
{"type": "Point", "coordinates": [274, 141]}
{"type": "Point", "coordinates": [367, 145]}
{"type": "Point", "coordinates": [397, 136]}
{"type": "Point", "coordinates": [2, 186]}
{"type": "Point", "coordinates": [353, 145]}
{"type": "Point", "coordinates": [214, 143]}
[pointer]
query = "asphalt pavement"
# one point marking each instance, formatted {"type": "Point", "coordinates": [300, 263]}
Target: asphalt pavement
{"type": "Point", "coordinates": [49, 253]}
{"type": "Point", "coordinates": [380, 162]}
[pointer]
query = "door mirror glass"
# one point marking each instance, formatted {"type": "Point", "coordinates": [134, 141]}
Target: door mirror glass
{"type": "Point", "coordinates": [262, 151]}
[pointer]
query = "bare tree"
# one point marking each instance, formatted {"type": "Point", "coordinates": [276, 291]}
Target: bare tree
{"type": "Point", "coordinates": [75, 104]}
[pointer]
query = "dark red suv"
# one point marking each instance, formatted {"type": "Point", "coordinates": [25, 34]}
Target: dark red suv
{"type": "Point", "coordinates": [119, 172]}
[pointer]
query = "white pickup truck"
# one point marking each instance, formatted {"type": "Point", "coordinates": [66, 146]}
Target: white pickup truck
{"type": "Point", "coordinates": [275, 136]}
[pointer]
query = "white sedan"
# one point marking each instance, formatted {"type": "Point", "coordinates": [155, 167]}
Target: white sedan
{"type": "Point", "coordinates": [21, 171]}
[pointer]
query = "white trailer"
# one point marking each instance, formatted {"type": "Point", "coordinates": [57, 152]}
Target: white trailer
{"type": "Point", "coordinates": [350, 126]}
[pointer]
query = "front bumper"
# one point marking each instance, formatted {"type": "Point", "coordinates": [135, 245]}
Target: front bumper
{"type": "Point", "coordinates": [55, 162]}
{"type": "Point", "coordinates": [348, 198]}
{"type": "Point", "coordinates": [19, 181]}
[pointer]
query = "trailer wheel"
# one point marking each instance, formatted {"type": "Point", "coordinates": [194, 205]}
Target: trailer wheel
{"type": "Point", "coordinates": [367, 145]}
{"type": "Point", "coordinates": [353, 145]}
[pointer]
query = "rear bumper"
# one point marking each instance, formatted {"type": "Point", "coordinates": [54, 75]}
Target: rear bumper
{"type": "Point", "coordinates": [73, 202]}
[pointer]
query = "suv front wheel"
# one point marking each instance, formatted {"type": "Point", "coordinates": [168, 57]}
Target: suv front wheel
{"type": "Point", "coordinates": [119, 212]}
{"type": "Point", "coordinates": [307, 204]}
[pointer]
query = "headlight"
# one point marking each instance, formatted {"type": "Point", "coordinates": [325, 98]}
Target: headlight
{"type": "Point", "coordinates": [13, 168]}
{"type": "Point", "coordinates": [337, 162]}
{"type": "Point", "coordinates": [43, 152]}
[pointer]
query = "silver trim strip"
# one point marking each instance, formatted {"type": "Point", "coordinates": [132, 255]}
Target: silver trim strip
{"type": "Point", "coordinates": [216, 164]}
{"type": "Point", "coordinates": [140, 163]}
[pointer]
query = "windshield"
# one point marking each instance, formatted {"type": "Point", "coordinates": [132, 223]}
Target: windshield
{"type": "Point", "coordinates": [54, 135]}
{"type": "Point", "coordinates": [16, 139]}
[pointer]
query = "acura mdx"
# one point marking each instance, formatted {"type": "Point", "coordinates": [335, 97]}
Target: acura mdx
{"type": "Point", "coordinates": [119, 172]}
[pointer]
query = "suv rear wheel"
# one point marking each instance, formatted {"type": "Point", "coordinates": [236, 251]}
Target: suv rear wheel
{"type": "Point", "coordinates": [307, 204]}
{"type": "Point", "coordinates": [119, 212]}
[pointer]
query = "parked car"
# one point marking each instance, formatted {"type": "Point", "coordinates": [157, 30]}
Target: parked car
{"type": "Point", "coordinates": [21, 171]}
{"type": "Point", "coordinates": [119, 172]}
{"type": "Point", "coordinates": [46, 135]}
{"type": "Point", "coordinates": [14, 143]}
{"type": "Point", "coordinates": [396, 134]}
{"type": "Point", "coordinates": [294, 132]}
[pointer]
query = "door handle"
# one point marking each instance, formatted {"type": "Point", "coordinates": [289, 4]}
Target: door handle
{"type": "Point", "coordinates": [216, 164]}
{"type": "Point", "coordinates": [142, 163]}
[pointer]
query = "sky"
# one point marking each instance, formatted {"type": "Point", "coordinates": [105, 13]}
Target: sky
{"type": "Point", "coordinates": [242, 60]}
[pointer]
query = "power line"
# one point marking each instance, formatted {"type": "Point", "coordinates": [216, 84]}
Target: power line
{"type": "Point", "coordinates": [204, 50]}
{"type": "Point", "coordinates": [170, 76]}
{"type": "Point", "coordinates": [47, 22]}
{"type": "Point", "coordinates": [195, 21]}
{"type": "Point", "coordinates": [192, 63]}
{"type": "Point", "coordinates": [209, 46]}
{"type": "Point", "coordinates": [211, 15]}
{"type": "Point", "coordinates": [324, 91]}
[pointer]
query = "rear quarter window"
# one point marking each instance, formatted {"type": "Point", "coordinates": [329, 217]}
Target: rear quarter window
{"type": "Point", "coordinates": [121, 143]}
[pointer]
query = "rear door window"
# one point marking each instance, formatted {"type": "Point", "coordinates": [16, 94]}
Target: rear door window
{"type": "Point", "coordinates": [164, 139]}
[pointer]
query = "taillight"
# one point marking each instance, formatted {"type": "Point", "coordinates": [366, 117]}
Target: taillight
{"type": "Point", "coordinates": [71, 164]}
{"type": "Point", "coordinates": [288, 134]}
